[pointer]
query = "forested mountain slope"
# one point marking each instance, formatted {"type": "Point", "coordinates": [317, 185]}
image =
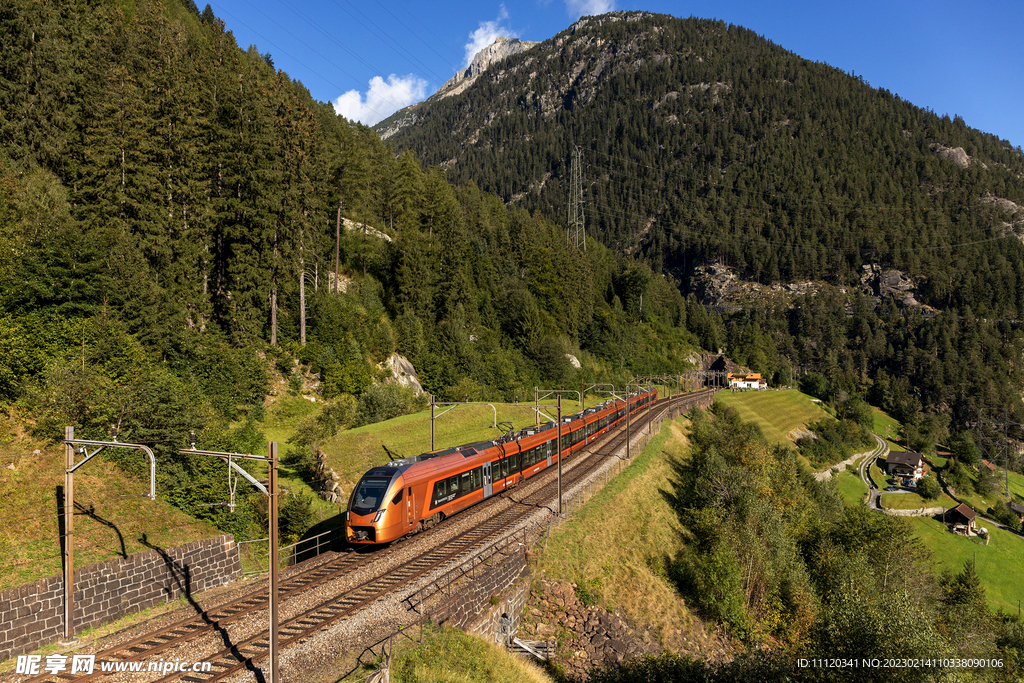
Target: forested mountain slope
{"type": "Point", "coordinates": [173, 210]}
{"type": "Point", "coordinates": [705, 143]}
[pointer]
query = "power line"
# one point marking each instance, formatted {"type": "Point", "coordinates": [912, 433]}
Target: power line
{"type": "Point", "coordinates": [314, 71]}
{"type": "Point", "coordinates": [387, 39]}
{"type": "Point", "coordinates": [425, 26]}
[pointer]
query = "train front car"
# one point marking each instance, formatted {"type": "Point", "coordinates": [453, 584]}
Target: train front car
{"type": "Point", "coordinates": [377, 510]}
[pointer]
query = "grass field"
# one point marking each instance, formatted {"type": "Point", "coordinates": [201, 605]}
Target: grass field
{"type": "Point", "coordinates": [779, 414]}
{"type": "Point", "coordinates": [617, 543]}
{"type": "Point", "coordinates": [880, 478]}
{"type": "Point", "coordinates": [851, 487]}
{"type": "Point", "coordinates": [445, 655]}
{"type": "Point", "coordinates": [998, 563]}
{"type": "Point", "coordinates": [912, 501]}
{"type": "Point", "coordinates": [352, 452]}
{"type": "Point", "coordinates": [888, 428]}
{"type": "Point", "coordinates": [111, 517]}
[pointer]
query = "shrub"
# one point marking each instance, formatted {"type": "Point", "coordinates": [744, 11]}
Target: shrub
{"type": "Point", "coordinates": [929, 488]}
{"type": "Point", "coordinates": [295, 517]}
{"type": "Point", "coordinates": [384, 401]}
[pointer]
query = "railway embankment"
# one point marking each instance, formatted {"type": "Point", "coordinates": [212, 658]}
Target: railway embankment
{"type": "Point", "coordinates": [601, 586]}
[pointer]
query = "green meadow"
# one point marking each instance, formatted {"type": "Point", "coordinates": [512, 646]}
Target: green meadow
{"type": "Point", "coordinates": [779, 414]}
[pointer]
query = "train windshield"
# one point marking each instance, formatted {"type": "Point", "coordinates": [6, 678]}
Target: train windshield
{"type": "Point", "coordinates": [369, 494]}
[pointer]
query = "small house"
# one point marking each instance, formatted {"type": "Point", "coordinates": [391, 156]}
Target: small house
{"type": "Point", "coordinates": [751, 380]}
{"type": "Point", "coordinates": [1017, 509]}
{"type": "Point", "coordinates": [906, 466]}
{"type": "Point", "coordinates": [961, 519]}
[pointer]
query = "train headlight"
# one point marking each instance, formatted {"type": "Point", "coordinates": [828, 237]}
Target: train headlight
{"type": "Point", "coordinates": [348, 515]}
{"type": "Point", "coordinates": [377, 517]}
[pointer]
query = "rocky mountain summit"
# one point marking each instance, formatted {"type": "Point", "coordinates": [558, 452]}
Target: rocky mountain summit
{"type": "Point", "coordinates": [501, 48]}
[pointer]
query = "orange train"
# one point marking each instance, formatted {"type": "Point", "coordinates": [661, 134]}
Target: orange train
{"type": "Point", "coordinates": [409, 495]}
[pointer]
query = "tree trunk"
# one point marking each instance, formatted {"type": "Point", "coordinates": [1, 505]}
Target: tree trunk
{"type": "Point", "coordinates": [337, 241]}
{"type": "Point", "coordinates": [302, 299]}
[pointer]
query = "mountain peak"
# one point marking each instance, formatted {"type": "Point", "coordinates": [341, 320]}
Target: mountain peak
{"type": "Point", "coordinates": [501, 48]}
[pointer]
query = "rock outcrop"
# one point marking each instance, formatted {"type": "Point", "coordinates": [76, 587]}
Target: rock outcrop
{"type": "Point", "coordinates": [880, 282]}
{"type": "Point", "coordinates": [955, 154]}
{"type": "Point", "coordinates": [500, 49]}
{"type": "Point", "coordinates": [403, 373]}
{"type": "Point", "coordinates": [598, 638]}
{"type": "Point", "coordinates": [325, 480]}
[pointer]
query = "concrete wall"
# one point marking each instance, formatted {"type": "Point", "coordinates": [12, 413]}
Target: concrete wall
{"type": "Point", "coordinates": [32, 615]}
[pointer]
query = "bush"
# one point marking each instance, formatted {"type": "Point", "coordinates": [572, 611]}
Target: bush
{"type": "Point", "coordinates": [587, 591]}
{"type": "Point", "coordinates": [333, 418]}
{"type": "Point", "coordinates": [1005, 516]}
{"type": "Point", "coordinates": [929, 488]}
{"type": "Point", "coordinates": [295, 517]}
{"type": "Point", "coordinates": [384, 401]}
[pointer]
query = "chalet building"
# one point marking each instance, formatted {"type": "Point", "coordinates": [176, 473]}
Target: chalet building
{"type": "Point", "coordinates": [752, 380]}
{"type": "Point", "coordinates": [961, 519]}
{"type": "Point", "coordinates": [906, 466]}
{"type": "Point", "coordinates": [989, 466]}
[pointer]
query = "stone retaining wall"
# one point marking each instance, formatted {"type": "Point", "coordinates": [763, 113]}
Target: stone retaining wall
{"type": "Point", "coordinates": [825, 475]}
{"type": "Point", "coordinates": [470, 607]}
{"type": "Point", "coordinates": [919, 512]}
{"type": "Point", "coordinates": [32, 615]}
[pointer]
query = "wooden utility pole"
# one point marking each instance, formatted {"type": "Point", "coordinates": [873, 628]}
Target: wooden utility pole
{"type": "Point", "coordinates": [272, 466]}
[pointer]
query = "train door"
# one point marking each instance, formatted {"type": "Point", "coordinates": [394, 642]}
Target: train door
{"type": "Point", "coordinates": [488, 488]}
{"type": "Point", "coordinates": [410, 508]}
{"type": "Point", "coordinates": [549, 449]}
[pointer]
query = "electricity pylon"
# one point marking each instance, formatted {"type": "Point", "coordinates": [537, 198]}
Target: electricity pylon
{"type": "Point", "coordinates": [576, 233]}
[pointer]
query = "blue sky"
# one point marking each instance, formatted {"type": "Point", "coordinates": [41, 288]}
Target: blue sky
{"type": "Point", "coordinates": [372, 57]}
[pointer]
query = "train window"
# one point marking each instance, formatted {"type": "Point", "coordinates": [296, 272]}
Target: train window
{"type": "Point", "coordinates": [478, 478]}
{"type": "Point", "coordinates": [370, 494]}
{"type": "Point", "coordinates": [398, 499]}
{"type": "Point", "coordinates": [467, 485]}
{"type": "Point", "coordinates": [453, 484]}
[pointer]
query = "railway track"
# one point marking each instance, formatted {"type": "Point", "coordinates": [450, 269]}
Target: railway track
{"type": "Point", "coordinates": [246, 653]}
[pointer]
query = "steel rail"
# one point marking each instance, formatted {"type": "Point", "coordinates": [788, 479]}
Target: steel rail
{"type": "Point", "coordinates": [248, 652]}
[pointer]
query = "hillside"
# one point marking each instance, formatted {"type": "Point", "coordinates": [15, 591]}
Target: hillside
{"type": "Point", "coordinates": [185, 231]}
{"type": "Point", "coordinates": [834, 227]}
{"type": "Point", "coordinates": [114, 515]}
{"type": "Point", "coordinates": [782, 416]}
{"type": "Point", "coordinates": [738, 563]}
{"type": "Point", "coordinates": [704, 143]}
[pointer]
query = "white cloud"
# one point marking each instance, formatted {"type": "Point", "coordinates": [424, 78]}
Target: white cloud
{"type": "Point", "coordinates": [382, 99]}
{"type": "Point", "coordinates": [579, 8]}
{"type": "Point", "coordinates": [486, 34]}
